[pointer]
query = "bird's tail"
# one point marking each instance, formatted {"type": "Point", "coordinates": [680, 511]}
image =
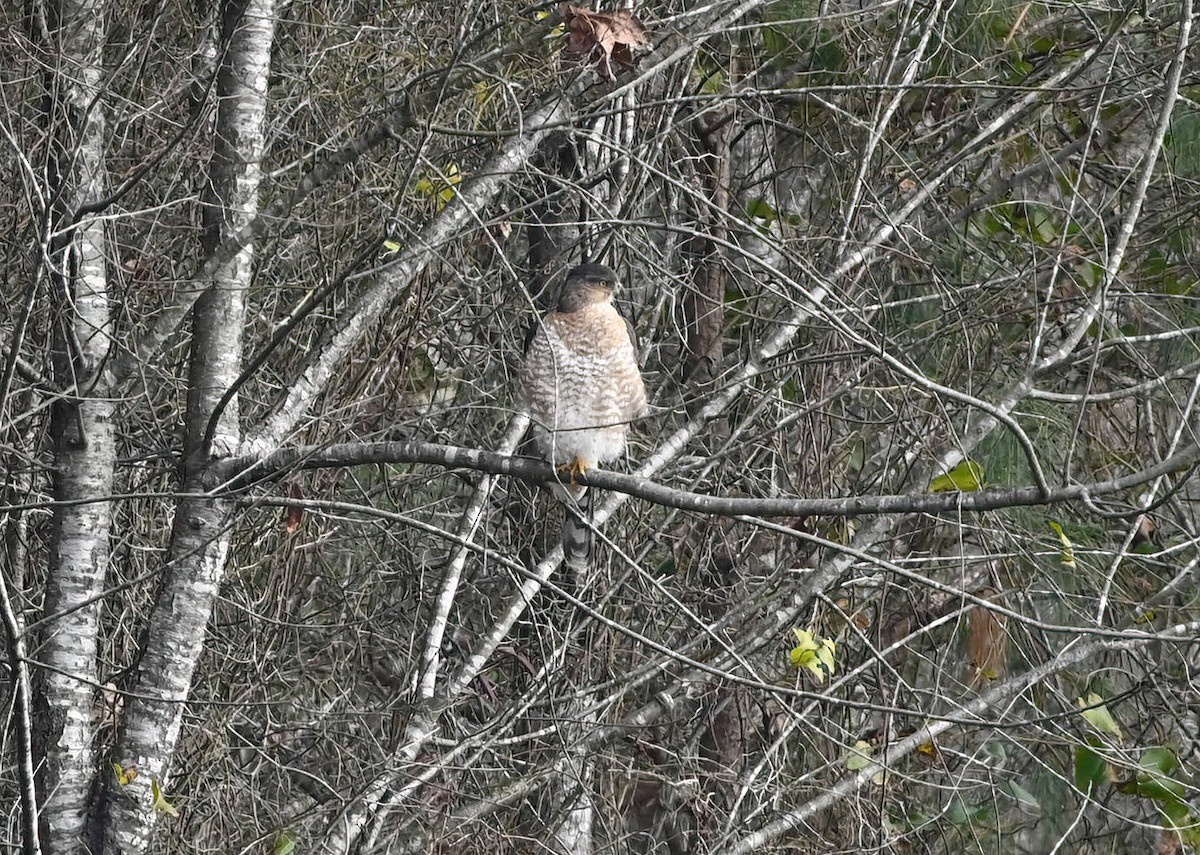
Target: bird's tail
{"type": "Point", "coordinates": [577, 529]}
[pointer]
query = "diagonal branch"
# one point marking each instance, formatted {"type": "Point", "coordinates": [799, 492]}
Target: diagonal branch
{"type": "Point", "coordinates": [338, 342]}
{"type": "Point", "coordinates": [996, 696]}
{"type": "Point", "coordinates": [402, 117]}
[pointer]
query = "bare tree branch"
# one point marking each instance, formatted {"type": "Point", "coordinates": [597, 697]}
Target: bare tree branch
{"type": "Point", "coordinates": [250, 471]}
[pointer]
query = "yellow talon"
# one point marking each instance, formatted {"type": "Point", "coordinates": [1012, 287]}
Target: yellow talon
{"type": "Point", "coordinates": [575, 468]}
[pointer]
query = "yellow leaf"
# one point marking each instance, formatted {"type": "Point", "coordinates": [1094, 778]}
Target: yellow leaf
{"type": "Point", "coordinates": [126, 775]}
{"type": "Point", "coordinates": [1096, 714]}
{"type": "Point", "coordinates": [815, 654]}
{"type": "Point", "coordinates": [160, 802]}
{"type": "Point", "coordinates": [860, 757]}
{"type": "Point", "coordinates": [966, 477]}
{"type": "Point", "coordinates": [439, 187]}
{"type": "Point", "coordinates": [842, 530]}
{"type": "Point", "coordinates": [482, 93]}
{"type": "Point", "coordinates": [1067, 557]}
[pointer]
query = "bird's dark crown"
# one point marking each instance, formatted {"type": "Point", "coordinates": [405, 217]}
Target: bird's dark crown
{"type": "Point", "coordinates": [590, 272]}
{"type": "Point", "coordinates": [584, 285]}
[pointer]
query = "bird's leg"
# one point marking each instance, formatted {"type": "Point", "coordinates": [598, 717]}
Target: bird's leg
{"type": "Point", "coordinates": [575, 468]}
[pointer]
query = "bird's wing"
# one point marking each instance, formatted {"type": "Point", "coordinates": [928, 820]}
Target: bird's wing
{"type": "Point", "coordinates": [633, 339]}
{"type": "Point", "coordinates": [532, 331]}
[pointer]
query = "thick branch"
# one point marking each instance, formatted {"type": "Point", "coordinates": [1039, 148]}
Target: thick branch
{"type": "Point", "coordinates": [244, 472]}
{"type": "Point", "coordinates": [14, 648]}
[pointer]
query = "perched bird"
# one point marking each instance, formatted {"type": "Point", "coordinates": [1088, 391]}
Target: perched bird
{"type": "Point", "coordinates": [581, 386]}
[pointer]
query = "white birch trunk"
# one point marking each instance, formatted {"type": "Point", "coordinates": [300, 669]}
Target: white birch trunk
{"type": "Point", "coordinates": [200, 537]}
{"type": "Point", "coordinates": [573, 834]}
{"type": "Point", "coordinates": [84, 444]}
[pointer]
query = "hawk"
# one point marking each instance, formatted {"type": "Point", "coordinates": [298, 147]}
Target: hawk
{"type": "Point", "coordinates": [581, 386]}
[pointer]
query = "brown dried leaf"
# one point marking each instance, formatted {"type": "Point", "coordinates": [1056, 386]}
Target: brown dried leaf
{"type": "Point", "coordinates": [1169, 843]}
{"type": "Point", "coordinates": [1146, 527]}
{"type": "Point", "coordinates": [605, 37]}
{"type": "Point", "coordinates": [295, 513]}
{"type": "Point", "coordinates": [987, 642]}
{"type": "Point", "coordinates": [494, 234]}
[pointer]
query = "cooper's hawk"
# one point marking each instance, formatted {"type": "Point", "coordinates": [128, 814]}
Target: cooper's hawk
{"type": "Point", "coordinates": [581, 386]}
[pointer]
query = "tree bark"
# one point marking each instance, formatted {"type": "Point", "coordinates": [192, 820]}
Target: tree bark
{"type": "Point", "coordinates": [84, 448]}
{"type": "Point", "coordinates": [704, 303]}
{"type": "Point", "coordinates": [201, 535]}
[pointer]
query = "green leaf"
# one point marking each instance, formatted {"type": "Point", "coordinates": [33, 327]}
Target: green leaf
{"type": "Point", "coordinates": [961, 813]}
{"type": "Point", "coordinates": [1090, 273]}
{"type": "Point", "coordinates": [860, 757]}
{"type": "Point", "coordinates": [760, 209]}
{"type": "Point", "coordinates": [1091, 769]}
{"type": "Point", "coordinates": [1181, 818]}
{"type": "Point", "coordinates": [956, 811]}
{"type": "Point", "coordinates": [1042, 226]}
{"type": "Point", "coordinates": [966, 477]}
{"type": "Point", "coordinates": [713, 83]}
{"type": "Point", "coordinates": [285, 843]}
{"type": "Point", "coordinates": [777, 43]}
{"type": "Point", "coordinates": [995, 752]}
{"type": "Point", "coordinates": [999, 25]}
{"type": "Point", "coordinates": [1096, 714]}
{"type": "Point", "coordinates": [1044, 44]}
{"type": "Point", "coordinates": [1067, 556]}
{"type": "Point", "coordinates": [1159, 760]}
{"type": "Point", "coordinates": [910, 820]}
{"type": "Point", "coordinates": [1025, 799]}
{"type": "Point", "coordinates": [856, 456]}
{"type": "Point", "coordinates": [1154, 779]}
{"type": "Point", "coordinates": [1157, 787]}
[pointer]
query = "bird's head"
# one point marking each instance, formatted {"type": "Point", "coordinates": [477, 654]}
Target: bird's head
{"type": "Point", "coordinates": [585, 285]}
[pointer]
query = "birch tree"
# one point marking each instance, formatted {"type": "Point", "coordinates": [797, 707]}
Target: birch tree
{"type": "Point", "coordinates": [902, 557]}
{"type": "Point", "coordinates": [199, 544]}
{"type": "Point", "coordinates": [70, 266]}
